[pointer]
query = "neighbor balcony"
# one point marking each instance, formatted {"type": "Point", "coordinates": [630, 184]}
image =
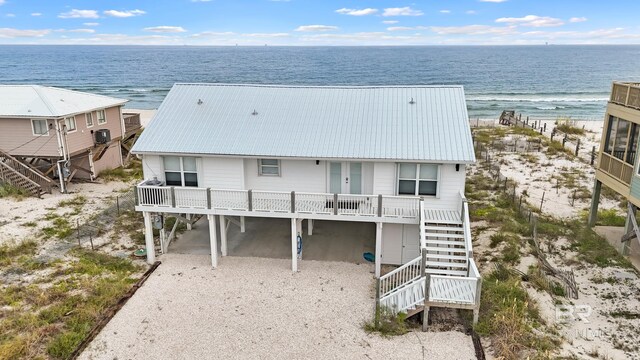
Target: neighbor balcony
{"type": "Point", "coordinates": [168, 199]}
{"type": "Point", "coordinates": [626, 94]}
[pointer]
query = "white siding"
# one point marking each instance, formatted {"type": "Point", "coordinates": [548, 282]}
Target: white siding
{"type": "Point", "coordinates": [222, 173]}
{"type": "Point", "coordinates": [152, 167]}
{"type": "Point", "coordinates": [384, 181]}
{"type": "Point", "coordinates": [295, 175]}
{"type": "Point", "coordinates": [449, 187]}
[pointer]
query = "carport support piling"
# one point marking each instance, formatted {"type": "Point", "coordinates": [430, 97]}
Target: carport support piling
{"type": "Point", "coordinates": [378, 248]}
{"type": "Point", "coordinates": [223, 235]}
{"type": "Point", "coordinates": [310, 227]}
{"type": "Point", "coordinates": [213, 238]}
{"type": "Point", "coordinates": [294, 244]}
{"type": "Point", "coordinates": [189, 227]}
{"type": "Point", "coordinates": [242, 227]}
{"type": "Point", "coordinates": [148, 238]}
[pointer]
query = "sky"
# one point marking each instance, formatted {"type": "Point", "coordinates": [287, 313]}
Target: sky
{"type": "Point", "coordinates": [319, 22]}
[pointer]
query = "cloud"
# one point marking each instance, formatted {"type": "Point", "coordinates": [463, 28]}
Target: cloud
{"type": "Point", "coordinates": [493, 1]}
{"type": "Point", "coordinates": [473, 30]}
{"type": "Point", "coordinates": [14, 33]}
{"type": "Point", "coordinates": [406, 28]}
{"type": "Point", "coordinates": [125, 13]}
{"type": "Point", "coordinates": [577, 19]}
{"type": "Point", "coordinates": [445, 11]}
{"type": "Point", "coordinates": [357, 12]}
{"type": "Point", "coordinates": [470, 12]}
{"type": "Point", "coordinates": [2, 2]}
{"type": "Point", "coordinates": [165, 29]}
{"type": "Point", "coordinates": [10, 15]}
{"type": "Point", "coordinates": [76, 13]}
{"type": "Point", "coordinates": [390, 22]}
{"type": "Point", "coordinates": [313, 28]}
{"type": "Point", "coordinates": [91, 24]}
{"type": "Point", "coordinates": [85, 31]}
{"type": "Point", "coordinates": [36, 14]}
{"type": "Point", "coordinates": [403, 11]}
{"type": "Point", "coordinates": [532, 21]}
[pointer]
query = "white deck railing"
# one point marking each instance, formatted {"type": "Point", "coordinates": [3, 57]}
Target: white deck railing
{"type": "Point", "coordinates": [394, 280]}
{"type": "Point", "coordinates": [466, 224]}
{"type": "Point", "coordinates": [404, 207]}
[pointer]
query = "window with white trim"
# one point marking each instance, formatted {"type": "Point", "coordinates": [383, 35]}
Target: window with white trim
{"type": "Point", "coordinates": [180, 171]}
{"type": "Point", "coordinates": [89, 118]}
{"type": "Point", "coordinates": [102, 119]}
{"type": "Point", "coordinates": [40, 127]}
{"type": "Point", "coordinates": [269, 167]}
{"type": "Point", "coordinates": [70, 124]}
{"type": "Point", "coordinates": [418, 179]}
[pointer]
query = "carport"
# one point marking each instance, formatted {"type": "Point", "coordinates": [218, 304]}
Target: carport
{"type": "Point", "coordinates": [345, 241]}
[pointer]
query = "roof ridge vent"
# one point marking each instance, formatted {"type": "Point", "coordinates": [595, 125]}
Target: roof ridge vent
{"type": "Point", "coordinates": [254, 112]}
{"type": "Point", "coordinates": [412, 101]}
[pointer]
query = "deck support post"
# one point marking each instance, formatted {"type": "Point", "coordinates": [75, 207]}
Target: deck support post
{"type": "Point", "coordinates": [476, 310]}
{"type": "Point", "coordinates": [425, 312]}
{"type": "Point", "coordinates": [189, 226]}
{"type": "Point", "coordinates": [148, 238]}
{"type": "Point", "coordinates": [294, 245]}
{"type": "Point", "coordinates": [223, 236]}
{"type": "Point", "coordinates": [213, 239]}
{"type": "Point", "coordinates": [595, 200]}
{"type": "Point", "coordinates": [378, 249]}
{"type": "Point", "coordinates": [310, 227]}
{"type": "Point", "coordinates": [242, 226]}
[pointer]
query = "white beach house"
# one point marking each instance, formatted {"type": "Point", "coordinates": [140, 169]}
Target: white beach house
{"type": "Point", "coordinates": [394, 156]}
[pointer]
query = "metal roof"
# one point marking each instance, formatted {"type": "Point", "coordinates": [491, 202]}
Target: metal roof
{"type": "Point", "coordinates": [30, 101]}
{"type": "Point", "coordinates": [422, 123]}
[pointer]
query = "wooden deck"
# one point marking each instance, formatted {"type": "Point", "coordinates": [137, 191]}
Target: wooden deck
{"type": "Point", "coordinates": [442, 216]}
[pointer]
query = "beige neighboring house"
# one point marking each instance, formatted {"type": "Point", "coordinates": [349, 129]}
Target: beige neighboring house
{"type": "Point", "coordinates": [48, 131]}
{"type": "Point", "coordinates": [618, 167]}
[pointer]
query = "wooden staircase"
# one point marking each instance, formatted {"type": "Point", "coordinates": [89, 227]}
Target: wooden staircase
{"type": "Point", "coordinates": [445, 275]}
{"type": "Point", "coordinates": [445, 247]}
{"type": "Point", "coordinates": [23, 176]}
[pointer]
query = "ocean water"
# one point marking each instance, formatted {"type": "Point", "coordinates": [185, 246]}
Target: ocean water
{"type": "Point", "coordinates": [543, 81]}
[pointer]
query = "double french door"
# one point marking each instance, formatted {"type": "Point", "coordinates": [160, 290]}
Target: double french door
{"type": "Point", "coordinates": [345, 177]}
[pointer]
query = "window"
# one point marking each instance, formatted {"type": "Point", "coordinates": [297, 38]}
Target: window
{"type": "Point", "coordinates": [89, 118]}
{"type": "Point", "coordinates": [101, 117]}
{"type": "Point", "coordinates": [40, 127]}
{"type": "Point", "coordinates": [180, 171]}
{"type": "Point", "coordinates": [70, 124]}
{"type": "Point", "coordinates": [418, 179]}
{"type": "Point", "coordinates": [269, 167]}
{"type": "Point", "coordinates": [621, 139]}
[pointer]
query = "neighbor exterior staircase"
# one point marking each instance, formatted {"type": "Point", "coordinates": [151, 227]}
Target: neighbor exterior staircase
{"type": "Point", "coordinates": [445, 275]}
{"type": "Point", "coordinates": [23, 176]}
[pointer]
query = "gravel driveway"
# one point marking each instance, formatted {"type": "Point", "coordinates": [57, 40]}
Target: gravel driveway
{"type": "Point", "coordinates": [252, 308]}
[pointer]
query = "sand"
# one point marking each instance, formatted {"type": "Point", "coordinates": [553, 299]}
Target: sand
{"type": "Point", "coordinates": [16, 216]}
{"type": "Point", "coordinates": [595, 324]}
{"type": "Point", "coordinates": [250, 308]}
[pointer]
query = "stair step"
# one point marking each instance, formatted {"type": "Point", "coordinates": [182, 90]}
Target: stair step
{"type": "Point", "coordinates": [446, 249]}
{"type": "Point", "coordinates": [446, 272]}
{"type": "Point", "coordinates": [446, 264]}
{"type": "Point", "coordinates": [445, 242]}
{"type": "Point", "coordinates": [443, 235]}
{"type": "Point", "coordinates": [447, 257]}
{"type": "Point", "coordinates": [444, 228]}
{"type": "Point", "coordinates": [442, 222]}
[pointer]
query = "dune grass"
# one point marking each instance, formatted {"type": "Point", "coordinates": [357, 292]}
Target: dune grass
{"type": "Point", "coordinates": [51, 316]}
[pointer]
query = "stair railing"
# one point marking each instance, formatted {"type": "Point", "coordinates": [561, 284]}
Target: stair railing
{"type": "Point", "coordinates": [466, 225]}
{"type": "Point", "coordinates": [26, 171]}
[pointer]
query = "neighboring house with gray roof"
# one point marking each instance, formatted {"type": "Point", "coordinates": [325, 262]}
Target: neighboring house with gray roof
{"type": "Point", "coordinates": [52, 130]}
{"type": "Point", "coordinates": [392, 156]}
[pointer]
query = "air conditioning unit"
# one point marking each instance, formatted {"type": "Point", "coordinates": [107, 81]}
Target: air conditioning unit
{"type": "Point", "coordinates": [103, 136]}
